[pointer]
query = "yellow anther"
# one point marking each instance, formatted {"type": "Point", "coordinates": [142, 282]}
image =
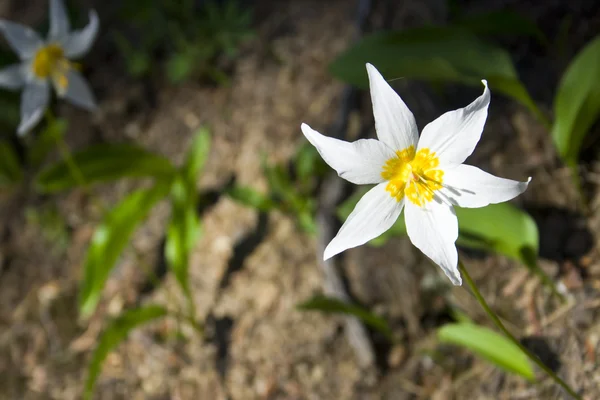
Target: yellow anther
{"type": "Point", "coordinates": [413, 175]}
{"type": "Point", "coordinates": [47, 60]}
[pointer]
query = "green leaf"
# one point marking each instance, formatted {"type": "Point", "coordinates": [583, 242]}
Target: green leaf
{"type": "Point", "coordinates": [10, 168]}
{"type": "Point", "coordinates": [184, 227]}
{"type": "Point", "coordinates": [180, 66]}
{"type": "Point", "coordinates": [332, 305]}
{"type": "Point", "coordinates": [489, 345]}
{"type": "Point", "coordinates": [110, 239]}
{"type": "Point", "coordinates": [114, 334]}
{"type": "Point", "coordinates": [46, 141]}
{"type": "Point", "coordinates": [183, 231]}
{"type": "Point", "coordinates": [501, 22]}
{"type": "Point", "coordinates": [106, 162]}
{"type": "Point", "coordinates": [500, 228]}
{"type": "Point", "coordinates": [308, 163]}
{"type": "Point", "coordinates": [251, 198]}
{"type": "Point", "coordinates": [438, 54]}
{"type": "Point", "coordinates": [196, 157]}
{"type": "Point", "coordinates": [577, 102]}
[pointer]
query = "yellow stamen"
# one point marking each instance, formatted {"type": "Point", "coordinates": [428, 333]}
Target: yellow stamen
{"type": "Point", "coordinates": [47, 60]}
{"type": "Point", "coordinates": [413, 175]}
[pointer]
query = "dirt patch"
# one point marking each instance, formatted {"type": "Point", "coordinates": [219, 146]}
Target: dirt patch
{"type": "Point", "coordinates": [256, 344]}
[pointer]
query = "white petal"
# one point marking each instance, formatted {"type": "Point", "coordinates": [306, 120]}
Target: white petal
{"type": "Point", "coordinates": [394, 123]}
{"type": "Point", "coordinates": [374, 214]}
{"type": "Point", "coordinates": [59, 21]}
{"type": "Point", "coordinates": [433, 229]}
{"type": "Point", "coordinates": [359, 162]}
{"type": "Point", "coordinates": [468, 186]}
{"type": "Point", "coordinates": [78, 43]}
{"type": "Point", "coordinates": [12, 77]}
{"type": "Point", "coordinates": [34, 101]}
{"type": "Point", "coordinates": [454, 135]}
{"type": "Point", "coordinates": [78, 91]}
{"type": "Point", "coordinates": [24, 40]}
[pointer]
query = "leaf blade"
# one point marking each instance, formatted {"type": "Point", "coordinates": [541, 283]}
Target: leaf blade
{"type": "Point", "coordinates": [10, 168]}
{"type": "Point", "coordinates": [436, 54]}
{"type": "Point", "coordinates": [184, 226]}
{"type": "Point", "coordinates": [105, 162]}
{"type": "Point", "coordinates": [577, 102]}
{"type": "Point", "coordinates": [115, 333]}
{"type": "Point", "coordinates": [332, 305]}
{"type": "Point", "coordinates": [110, 239]}
{"type": "Point", "coordinates": [489, 345]}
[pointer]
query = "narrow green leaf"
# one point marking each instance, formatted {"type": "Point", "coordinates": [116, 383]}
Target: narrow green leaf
{"type": "Point", "coordinates": [183, 231]}
{"type": "Point", "coordinates": [437, 54]}
{"type": "Point", "coordinates": [500, 228]}
{"type": "Point", "coordinates": [489, 345]}
{"type": "Point", "coordinates": [106, 162]}
{"type": "Point", "coordinates": [251, 198]}
{"type": "Point", "coordinates": [577, 102]}
{"type": "Point", "coordinates": [10, 168]}
{"type": "Point", "coordinates": [196, 157]}
{"type": "Point", "coordinates": [110, 239]}
{"type": "Point", "coordinates": [114, 334]}
{"type": "Point", "coordinates": [332, 305]}
{"type": "Point", "coordinates": [184, 227]}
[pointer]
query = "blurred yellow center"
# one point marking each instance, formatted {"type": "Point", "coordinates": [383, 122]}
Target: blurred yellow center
{"type": "Point", "coordinates": [413, 175]}
{"type": "Point", "coordinates": [50, 62]}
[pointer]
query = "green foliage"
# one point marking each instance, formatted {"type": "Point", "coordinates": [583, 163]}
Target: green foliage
{"type": "Point", "coordinates": [436, 54]}
{"type": "Point", "coordinates": [251, 198]}
{"type": "Point", "coordinates": [192, 39]}
{"type": "Point", "coordinates": [500, 228]}
{"type": "Point", "coordinates": [111, 238]}
{"type": "Point", "coordinates": [51, 224]}
{"type": "Point", "coordinates": [9, 101]}
{"type": "Point", "coordinates": [52, 133]}
{"type": "Point", "coordinates": [332, 305]}
{"type": "Point", "coordinates": [10, 168]}
{"type": "Point", "coordinates": [105, 162]}
{"type": "Point", "coordinates": [182, 232]}
{"type": "Point", "coordinates": [501, 22]}
{"type": "Point", "coordinates": [196, 157]}
{"type": "Point", "coordinates": [184, 227]}
{"type": "Point", "coordinates": [489, 345]}
{"type": "Point", "coordinates": [291, 189]}
{"type": "Point", "coordinates": [577, 102]}
{"type": "Point", "coordinates": [114, 334]}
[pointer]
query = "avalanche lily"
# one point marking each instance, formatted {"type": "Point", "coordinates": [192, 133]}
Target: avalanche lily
{"type": "Point", "coordinates": [48, 62]}
{"type": "Point", "coordinates": [424, 176]}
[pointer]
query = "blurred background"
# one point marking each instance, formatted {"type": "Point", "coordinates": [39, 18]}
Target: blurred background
{"type": "Point", "coordinates": [228, 83]}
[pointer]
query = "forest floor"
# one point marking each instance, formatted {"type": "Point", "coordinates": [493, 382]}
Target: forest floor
{"type": "Point", "coordinates": [256, 344]}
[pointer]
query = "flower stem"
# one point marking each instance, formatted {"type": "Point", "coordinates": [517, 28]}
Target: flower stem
{"type": "Point", "coordinates": [501, 326]}
{"type": "Point", "coordinates": [74, 170]}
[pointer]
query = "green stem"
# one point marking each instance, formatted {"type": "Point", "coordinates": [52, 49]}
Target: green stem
{"type": "Point", "coordinates": [71, 164]}
{"type": "Point", "coordinates": [501, 326]}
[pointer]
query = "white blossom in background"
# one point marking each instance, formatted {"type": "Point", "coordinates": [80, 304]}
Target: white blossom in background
{"type": "Point", "coordinates": [47, 62]}
{"type": "Point", "coordinates": [424, 176]}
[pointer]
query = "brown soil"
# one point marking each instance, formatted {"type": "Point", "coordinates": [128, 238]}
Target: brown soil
{"type": "Point", "coordinates": [275, 351]}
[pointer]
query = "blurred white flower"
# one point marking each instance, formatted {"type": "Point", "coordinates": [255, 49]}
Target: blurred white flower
{"type": "Point", "coordinates": [48, 62]}
{"type": "Point", "coordinates": [425, 176]}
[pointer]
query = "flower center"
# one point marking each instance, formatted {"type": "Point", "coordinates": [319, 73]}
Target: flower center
{"type": "Point", "coordinates": [413, 175]}
{"type": "Point", "coordinates": [50, 62]}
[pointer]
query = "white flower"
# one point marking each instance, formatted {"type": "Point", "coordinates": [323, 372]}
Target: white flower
{"type": "Point", "coordinates": [425, 176]}
{"type": "Point", "coordinates": [48, 62]}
